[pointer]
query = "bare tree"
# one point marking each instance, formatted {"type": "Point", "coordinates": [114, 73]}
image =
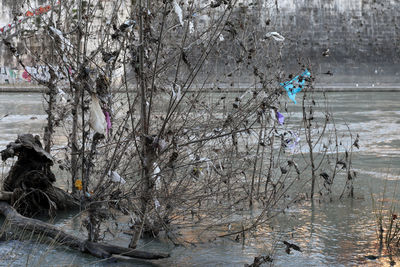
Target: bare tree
{"type": "Point", "coordinates": [170, 112]}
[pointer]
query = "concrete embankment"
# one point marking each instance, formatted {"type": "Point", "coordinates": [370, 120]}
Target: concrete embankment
{"type": "Point", "coordinates": [18, 88]}
{"type": "Point", "coordinates": [345, 87]}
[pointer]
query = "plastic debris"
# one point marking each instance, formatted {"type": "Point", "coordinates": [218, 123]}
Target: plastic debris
{"type": "Point", "coordinates": [157, 204]}
{"type": "Point", "coordinates": [276, 36]}
{"type": "Point", "coordinates": [157, 170]}
{"type": "Point", "coordinates": [191, 27]}
{"type": "Point", "coordinates": [236, 104]}
{"type": "Point", "coordinates": [280, 118]}
{"type": "Point", "coordinates": [156, 174]}
{"type": "Point", "coordinates": [326, 53]}
{"type": "Point", "coordinates": [160, 144]}
{"type": "Point", "coordinates": [78, 184]}
{"type": "Point", "coordinates": [296, 85]}
{"type": "Point", "coordinates": [108, 120]}
{"type": "Point", "coordinates": [97, 119]}
{"type": "Point", "coordinates": [178, 11]}
{"type": "Point", "coordinates": [62, 96]}
{"type": "Point", "coordinates": [116, 178]}
{"type": "Point", "coordinates": [292, 141]}
{"type": "Point", "coordinates": [64, 41]}
{"type": "Point", "coordinates": [178, 94]}
{"type": "Point", "coordinates": [127, 24]}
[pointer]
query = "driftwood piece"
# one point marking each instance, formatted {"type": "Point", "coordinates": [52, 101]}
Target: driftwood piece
{"type": "Point", "coordinates": [100, 250]}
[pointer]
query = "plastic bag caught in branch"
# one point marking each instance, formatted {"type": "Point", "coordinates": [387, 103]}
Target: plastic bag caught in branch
{"type": "Point", "coordinates": [296, 85]}
{"type": "Point", "coordinates": [64, 41]}
{"type": "Point", "coordinates": [116, 178]}
{"type": "Point", "coordinates": [191, 27]}
{"type": "Point", "coordinates": [276, 36]}
{"type": "Point", "coordinates": [176, 95]}
{"type": "Point", "coordinates": [108, 120]}
{"type": "Point", "coordinates": [291, 140]}
{"type": "Point", "coordinates": [280, 118]}
{"type": "Point", "coordinates": [97, 119]}
{"type": "Point", "coordinates": [126, 25]}
{"type": "Point", "coordinates": [156, 174]}
{"type": "Point", "coordinates": [157, 204]}
{"type": "Point", "coordinates": [178, 11]}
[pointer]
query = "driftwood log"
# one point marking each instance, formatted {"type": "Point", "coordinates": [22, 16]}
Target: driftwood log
{"type": "Point", "coordinates": [100, 250]}
{"type": "Point", "coordinates": [28, 190]}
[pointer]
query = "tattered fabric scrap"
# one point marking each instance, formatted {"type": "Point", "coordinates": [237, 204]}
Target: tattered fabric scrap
{"type": "Point", "coordinates": [295, 85]}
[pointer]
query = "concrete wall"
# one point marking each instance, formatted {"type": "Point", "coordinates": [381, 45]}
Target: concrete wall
{"type": "Point", "coordinates": [363, 36]}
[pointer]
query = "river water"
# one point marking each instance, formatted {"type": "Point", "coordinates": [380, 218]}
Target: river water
{"type": "Point", "coordinates": [338, 233]}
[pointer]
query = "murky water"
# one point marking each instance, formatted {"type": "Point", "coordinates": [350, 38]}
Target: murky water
{"type": "Point", "coordinates": [339, 233]}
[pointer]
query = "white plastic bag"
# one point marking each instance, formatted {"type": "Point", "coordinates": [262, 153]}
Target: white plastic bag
{"type": "Point", "coordinates": [97, 119]}
{"type": "Point", "coordinates": [114, 177]}
{"type": "Point", "coordinates": [178, 11]}
{"type": "Point", "coordinates": [276, 36]}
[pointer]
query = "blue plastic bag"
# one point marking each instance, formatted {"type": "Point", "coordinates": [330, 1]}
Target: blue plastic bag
{"type": "Point", "coordinates": [295, 85]}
